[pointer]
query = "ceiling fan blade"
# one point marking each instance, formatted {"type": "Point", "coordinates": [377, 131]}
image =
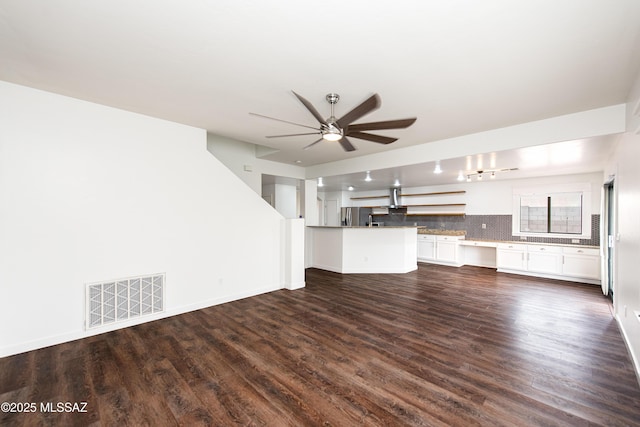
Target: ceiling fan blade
{"type": "Point", "coordinates": [292, 134]}
{"type": "Point", "coordinates": [389, 124]}
{"type": "Point", "coordinates": [346, 145]}
{"type": "Point", "coordinates": [311, 109]}
{"type": "Point", "coordinates": [285, 121]}
{"type": "Point", "coordinates": [312, 144]}
{"type": "Point", "coordinates": [371, 137]}
{"type": "Point", "coordinates": [372, 103]}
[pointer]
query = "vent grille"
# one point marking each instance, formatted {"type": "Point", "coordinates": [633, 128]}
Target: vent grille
{"type": "Point", "coordinates": [123, 299]}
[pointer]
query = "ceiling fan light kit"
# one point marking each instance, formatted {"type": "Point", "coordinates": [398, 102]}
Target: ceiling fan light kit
{"type": "Point", "coordinates": [337, 130]}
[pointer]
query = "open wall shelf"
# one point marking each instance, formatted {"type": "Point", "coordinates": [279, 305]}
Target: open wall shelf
{"type": "Point", "coordinates": [437, 214]}
{"type": "Point", "coordinates": [422, 209]}
{"type": "Point", "coordinates": [426, 214]}
{"type": "Point", "coordinates": [441, 193]}
{"type": "Point", "coordinates": [384, 196]}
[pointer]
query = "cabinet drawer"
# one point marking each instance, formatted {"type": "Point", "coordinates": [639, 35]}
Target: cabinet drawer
{"type": "Point", "coordinates": [479, 244]}
{"type": "Point", "coordinates": [581, 251]}
{"type": "Point", "coordinates": [447, 238]}
{"type": "Point", "coordinates": [512, 246]}
{"type": "Point", "coordinates": [544, 249]}
{"type": "Point", "coordinates": [426, 238]}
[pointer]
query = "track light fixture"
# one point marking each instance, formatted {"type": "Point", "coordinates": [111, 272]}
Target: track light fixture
{"type": "Point", "coordinates": [479, 173]}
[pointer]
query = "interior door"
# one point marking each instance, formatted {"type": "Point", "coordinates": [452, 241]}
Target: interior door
{"type": "Point", "coordinates": [332, 213]}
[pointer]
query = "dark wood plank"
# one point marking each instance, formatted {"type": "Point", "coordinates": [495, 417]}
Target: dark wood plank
{"type": "Point", "coordinates": [440, 346]}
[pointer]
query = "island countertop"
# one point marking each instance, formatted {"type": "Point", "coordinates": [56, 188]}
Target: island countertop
{"type": "Point", "coordinates": [424, 230]}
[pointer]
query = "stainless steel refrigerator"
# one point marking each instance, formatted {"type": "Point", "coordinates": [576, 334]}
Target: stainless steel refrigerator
{"type": "Point", "coordinates": [350, 217]}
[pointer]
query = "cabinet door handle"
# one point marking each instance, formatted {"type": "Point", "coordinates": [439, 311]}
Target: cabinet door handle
{"type": "Point", "coordinates": [542, 249]}
{"type": "Point", "coordinates": [579, 251]}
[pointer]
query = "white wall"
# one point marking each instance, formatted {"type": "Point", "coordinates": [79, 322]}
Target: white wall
{"type": "Point", "coordinates": [624, 165]}
{"type": "Point", "coordinates": [90, 193]}
{"type": "Point", "coordinates": [627, 248]}
{"type": "Point", "coordinates": [237, 154]}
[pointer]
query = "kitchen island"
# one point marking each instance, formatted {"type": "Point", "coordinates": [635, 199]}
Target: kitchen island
{"type": "Point", "coordinates": [363, 249]}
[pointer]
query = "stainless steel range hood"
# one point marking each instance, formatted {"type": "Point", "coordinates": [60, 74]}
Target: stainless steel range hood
{"type": "Point", "coordinates": [394, 201]}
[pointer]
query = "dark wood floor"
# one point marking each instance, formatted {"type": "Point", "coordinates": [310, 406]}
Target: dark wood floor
{"type": "Point", "coordinates": [440, 347]}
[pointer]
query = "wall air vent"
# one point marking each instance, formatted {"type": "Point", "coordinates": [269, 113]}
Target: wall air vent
{"type": "Point", "coordinates": [124, 299]}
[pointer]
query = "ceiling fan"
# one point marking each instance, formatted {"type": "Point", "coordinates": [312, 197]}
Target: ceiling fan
{"type": "Point", "coordinates": [333, 129]}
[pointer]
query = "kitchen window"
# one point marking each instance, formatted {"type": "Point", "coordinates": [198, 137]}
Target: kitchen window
{"type": "Point", "coordinates": [561, 213]}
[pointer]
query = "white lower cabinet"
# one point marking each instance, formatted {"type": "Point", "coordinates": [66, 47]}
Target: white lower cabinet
{"type": "Point", "coordinates": [554, 261]}
{"type": "Point", "coordinates": [448, 250]}
{"type": "Point", "coordinates": [575, 263]}
{"type": "Point", "coordinates": [440, 249]}
{"type": "Point", "coordinates": [544, 259]}
{"type": "Point", "coordinates": [581, 262]}
{"type": "Point", "coordinates": [426, 247]}
{"type": "Point", "coordinates": [511, 256]}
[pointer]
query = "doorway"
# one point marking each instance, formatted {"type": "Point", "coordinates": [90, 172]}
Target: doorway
{"type": "Point", "coordinates": [609, 227]}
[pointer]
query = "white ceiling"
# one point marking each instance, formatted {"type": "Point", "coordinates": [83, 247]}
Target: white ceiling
{"type": "Point", "coordinates": [460, 67]}
{"type": "Point", "coordinates": [564, 158]}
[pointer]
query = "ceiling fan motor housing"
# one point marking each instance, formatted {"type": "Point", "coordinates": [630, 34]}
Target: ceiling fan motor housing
{"type": "Point", "coordinates": [330, 131]}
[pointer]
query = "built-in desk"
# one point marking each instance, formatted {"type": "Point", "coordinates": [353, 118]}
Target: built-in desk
{"type": "Point", "coordinates": [479, 253]}
{"type": "Point", "coordinates": [557, 261]}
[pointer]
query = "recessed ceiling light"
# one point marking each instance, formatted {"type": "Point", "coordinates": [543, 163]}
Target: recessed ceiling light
{"type": "Point", "coordinates": [460, 176]}
{"type": "Point", "coordinates": [320, 183]}
{"type": "Point", "coordinates": [298, 161]}
{"type": "Point", "coordinates": [437, 168]}
{"type": "Point", "coordinates": [396, 183]}
{"type": "Point", "coordinates": [368, 176]}
{"type": "Point", "coordinates": [350, 188]}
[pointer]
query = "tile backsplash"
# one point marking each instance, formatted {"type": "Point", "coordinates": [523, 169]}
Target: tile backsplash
{"type": "Point", "coordinates": [498, 227]}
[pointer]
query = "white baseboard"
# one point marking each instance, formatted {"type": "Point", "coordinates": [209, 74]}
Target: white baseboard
{"type": "Point", "coordinates": [551, 276]}
{"type": "Point", "coordinates": [294, 286]}
{"type": "Point", "coordinates": [625, 338]}
{"type": "Point", "coordinates": [23, 347]}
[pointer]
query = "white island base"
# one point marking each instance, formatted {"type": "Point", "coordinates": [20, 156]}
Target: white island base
{"type": "Point", "coordinates": [364, 249]}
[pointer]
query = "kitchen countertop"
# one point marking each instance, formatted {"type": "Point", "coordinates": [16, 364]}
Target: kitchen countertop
{"type": "Point", "coordinates": [469, 242]}
{"type": "Point", "coordinates": [424, 230]}
{"type": "Point", "coordinates": [487, 242]}
{"type": "Point", "coordinates": [364, 226]}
